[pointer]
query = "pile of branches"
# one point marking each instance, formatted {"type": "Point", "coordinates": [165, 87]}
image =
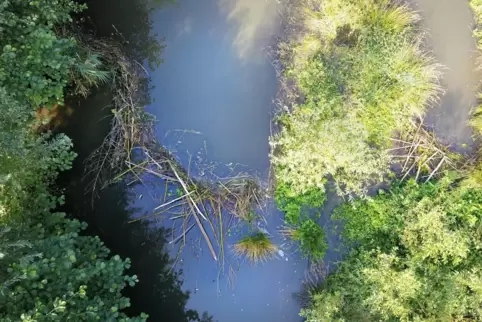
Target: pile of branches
{"type": "Point", "coordinates": [131, 152]}
{"type": "Point", "coordinates": [197, 203]}
{"type": "Point", "coordinates": [420, 155]}
{"type": "Point", "coordinates": [131, 127]}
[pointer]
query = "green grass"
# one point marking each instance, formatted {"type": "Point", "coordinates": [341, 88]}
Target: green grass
{"type": "Point", "coordinates": [256, 248]}
{"type": "Point", "coordinates": [312, 240]}
{"type": "Point", "coordinates": [363, 75]}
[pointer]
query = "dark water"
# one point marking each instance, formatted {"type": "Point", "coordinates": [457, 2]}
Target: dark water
{"type": "Point", "coordinates": [213, 94]}
{"type": "Point", "coordinates": [213, 98]}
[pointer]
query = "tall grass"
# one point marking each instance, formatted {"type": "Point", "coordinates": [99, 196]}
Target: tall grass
{"type": "Point", "coordinates": [256, 248]}
{"type": "Point", "coordinates": [362, 76]}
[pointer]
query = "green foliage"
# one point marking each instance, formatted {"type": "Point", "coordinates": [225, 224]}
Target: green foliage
{"type": "Point", "coordinates": [296, 206]}
{"type": "Point", "coordinates": [416, 257]}
{"type": "Point", "coordinates": [256, 248]}
{"type": "Point", "coordinates": [28, 163]}
{"type": "Point", "coordinates": [48, 272]}
{"type": "Point", "coordinates": [363, 76]}
{"type": "Point", "coordinates": [35, 63]}
{"type": "Point", "coordinates": [312, 239]}
{"type": "Point", "coordinates": [87, 73]}
{"type": "Point", "coordinates": [60, 275]}
{"type": "Point", "coordinates": [476, 5]}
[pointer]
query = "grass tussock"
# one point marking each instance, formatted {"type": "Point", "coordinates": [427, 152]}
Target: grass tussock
{"type": "Point", "coordinates": [362, 77]}
{"type": "Point", "coordinates": [256, 248]}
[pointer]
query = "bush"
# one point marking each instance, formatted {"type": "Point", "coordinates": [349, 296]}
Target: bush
{"type": "Point", "coordinates": [312, 240]}
{"type": "Point", "coordinates": [50, 273]}
{"type": "Point", "coordinates": [363, 77]}
{"type": "Point", "coordinates": [416, 258]}
{"type": "Point", "coordinates": [35, 63]}
{"type": "Point", "coordinates": [296, 206]}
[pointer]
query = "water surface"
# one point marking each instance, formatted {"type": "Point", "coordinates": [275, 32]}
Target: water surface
{"type": "Point", "coordinates": [449, 25]}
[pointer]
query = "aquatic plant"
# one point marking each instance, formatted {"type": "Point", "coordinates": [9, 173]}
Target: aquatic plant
{"type": "Point", "coordinates": [362, 76]}
{"type": "Point", "coordinates": [256, 248]}
{"type": "Point", "coordinates": [311, 239]}
{"type": "Point", "coordinates": [295, 206]}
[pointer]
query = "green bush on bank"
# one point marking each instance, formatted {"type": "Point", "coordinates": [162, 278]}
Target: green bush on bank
{"type": "Point", "coordinates": [363, 76]}
{"type": "Point", "coordinates": [417, 257]}
{"type": "Point", "coordinates": [48, 271]}
{"type": "Point", "coordinates": [312, 240]}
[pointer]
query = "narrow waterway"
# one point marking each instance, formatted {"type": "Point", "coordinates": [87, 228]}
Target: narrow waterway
{"type": "Point", "coordinates": [212, 98]}
{"type": "Point", "coordinates": [448, 25]}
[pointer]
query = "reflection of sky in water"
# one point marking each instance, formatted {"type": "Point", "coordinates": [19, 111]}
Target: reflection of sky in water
{"type": "Point", "coordinates": [216, 81]}
{"type": "Point", "coordinates": [204, 86]}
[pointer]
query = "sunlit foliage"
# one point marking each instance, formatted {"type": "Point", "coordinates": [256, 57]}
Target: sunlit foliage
{"type": "Point", "coordinates": [256, 248]}
{"type": "Point", "coordinates": [416, 257]}
{"type": "Point", "coordinates": [476, 5]}
{"type": "Point", "coordinates": [362, 76]}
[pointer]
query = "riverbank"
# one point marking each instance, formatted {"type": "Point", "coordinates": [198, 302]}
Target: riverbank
{"type": "Point", "coordinates": [409, 243]}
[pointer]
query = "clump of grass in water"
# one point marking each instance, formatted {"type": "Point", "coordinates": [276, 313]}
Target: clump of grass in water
{"type": "Point", "coordinates": [257, 248]}
{"type": "Point", "coordinates": [311, 239]}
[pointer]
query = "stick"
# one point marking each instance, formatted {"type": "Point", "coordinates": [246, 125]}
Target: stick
{"type": "Point", "coordinates": [193, 206]}
{"type": "Point", "coordinates": [434, 171]}
{"type": "Point", "coordinates": [187, 192]}
{"type": "Point", "coordinates": [182, 235]}
{"type": "Point", "coordinates": [172, 201]}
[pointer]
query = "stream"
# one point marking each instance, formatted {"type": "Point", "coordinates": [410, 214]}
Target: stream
{"type": "Point", "coordinates": [213, 100]}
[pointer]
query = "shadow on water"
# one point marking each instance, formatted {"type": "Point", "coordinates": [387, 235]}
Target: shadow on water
{"type": "Point", "coordinates": [158, 292]}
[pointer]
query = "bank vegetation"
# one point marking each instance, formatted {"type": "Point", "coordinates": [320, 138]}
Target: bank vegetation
{"type": "Point", "coordinates": [414, 245]}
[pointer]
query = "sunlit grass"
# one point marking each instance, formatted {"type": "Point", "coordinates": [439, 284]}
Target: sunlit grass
{"type": "Point", "coordinates": [256, 248]}
{"type": "Point", "coordinates": [363, 74]}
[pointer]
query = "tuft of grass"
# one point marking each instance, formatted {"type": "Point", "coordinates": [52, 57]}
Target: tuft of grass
{"type": "Point", "coordinates": [312, 239]}
{"type": "Point", "coordinates": [257, 248]}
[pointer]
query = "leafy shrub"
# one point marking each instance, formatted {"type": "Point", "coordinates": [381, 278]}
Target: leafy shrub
{"type": "Point", "coordinates": [476, 5]}
{"type": "Point", "coordinates": [416, 258]}
{"type": "Point", "coordinates": [35, 62]}
{"type": "Point", "coordinates": [311, 238]}
{"type": "Point", "coordinates": [362, 75]}
{"type": "Point", "coordinates": [59, 275]}
{"type": "Point", "coordinates": [293, 205]}
{"type": "Point", "coordinates": [29, 163]}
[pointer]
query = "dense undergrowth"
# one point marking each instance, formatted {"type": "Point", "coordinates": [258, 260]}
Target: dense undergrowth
{"type": "Point", "coordinates": [476, 5]}
{"type": "Point", "coordinates": [362, 78]}
{"type": "Point", "coordinates": [415, 250]}
{"type": "Point", "coordinates": [417, 257]}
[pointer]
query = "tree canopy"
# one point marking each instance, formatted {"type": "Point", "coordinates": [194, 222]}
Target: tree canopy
{"type": "Point", "coordinates": [416, 257]}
